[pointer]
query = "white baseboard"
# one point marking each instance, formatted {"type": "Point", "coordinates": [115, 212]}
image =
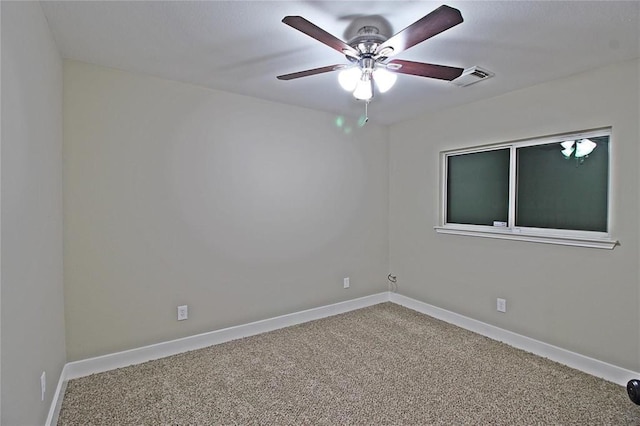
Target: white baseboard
{"type": "Point", "coordinates": [160, 350]}
{"type": "Point", "coordinates": [583, 363]}
{"type": "Point", "coordinates": [85, 367]}
{"type": "Point", "coordinates": [76, 369]}
{"type": "Point", "coordinates": [56, 402]}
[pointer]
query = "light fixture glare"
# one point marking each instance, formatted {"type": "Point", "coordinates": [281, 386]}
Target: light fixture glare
{"type": "Point", "coordinates": [567, 152]}
{"type": "Point", "coordinates": [567, 144]}
{"type": "Point", "coordinates": [364, 88]}
{"type": "Point", "coordinates": [584, 147]}
{"type": "Point", "coordinates": [384, 79]}
{"type": "Point", "coordinates": [349, 78]}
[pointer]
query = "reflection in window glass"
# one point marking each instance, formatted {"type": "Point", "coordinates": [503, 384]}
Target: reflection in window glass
{"type": "Point", "coordinates": [563, 185]}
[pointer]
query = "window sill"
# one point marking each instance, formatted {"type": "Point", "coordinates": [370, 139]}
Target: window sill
{"type": "Point", "coordinates": [518, 235]}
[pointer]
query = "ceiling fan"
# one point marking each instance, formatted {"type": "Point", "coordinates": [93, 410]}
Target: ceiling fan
{"type": "Point", "coordinates": [368, 53]}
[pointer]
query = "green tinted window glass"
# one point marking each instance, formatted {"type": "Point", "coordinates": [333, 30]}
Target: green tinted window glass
{"type": "Point", "coordinates": [563, 186]}
{"type": "Point", "coordinates": [478, 187]}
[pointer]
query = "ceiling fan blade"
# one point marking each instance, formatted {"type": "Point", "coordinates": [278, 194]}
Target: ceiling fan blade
{"type": "Point", "coordinates": [310, 72]}
{"type": "Point", "coordinates": [434, 23]}
{"type": "Point", "coordinates": [312, 30]}
{"type": "Point", "coordinates": [421, 69]}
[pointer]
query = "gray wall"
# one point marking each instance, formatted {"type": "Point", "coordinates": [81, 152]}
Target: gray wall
{"type": "Point", "coordinates": [241, 208]}
{"type": "Point", "coordinates": [32, 319]}
{"type": "Point", "coordinates": [584, 300]}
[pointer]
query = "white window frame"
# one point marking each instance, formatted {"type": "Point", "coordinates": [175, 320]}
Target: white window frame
{"type": "Point", "coordinates": [568, 237]}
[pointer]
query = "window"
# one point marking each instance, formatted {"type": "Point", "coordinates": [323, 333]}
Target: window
{"type": "Point", "coordinates": [478, 187]}
{"type": "Point", "coordinates": [551, 190]}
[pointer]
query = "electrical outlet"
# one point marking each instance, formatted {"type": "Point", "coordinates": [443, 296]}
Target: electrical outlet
{"type": "Point", "coordinates": [501, 305]}
{"type": "Point", "coordinates": [43, 385]}
{"type": "Point", "coordinates": [183, 312]}
{"type": "Point", "coordinates": [345, 283]}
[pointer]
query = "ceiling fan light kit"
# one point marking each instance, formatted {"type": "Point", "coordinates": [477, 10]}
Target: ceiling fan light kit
{"type": "Point", "coordinates": [369, 52]}
{"type": "Point", "coordinates": [354, 79]}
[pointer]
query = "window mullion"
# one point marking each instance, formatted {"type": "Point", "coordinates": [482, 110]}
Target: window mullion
{"type": "Point", "coordinates": [512, 188]}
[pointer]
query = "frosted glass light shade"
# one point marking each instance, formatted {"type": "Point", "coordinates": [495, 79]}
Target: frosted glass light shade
{"type": "Point", "coordinates": [349, 78]}
{"type": "Point", "coordinates": [384, 79]}
{"type": "Point", "coordinates": [364, 89]}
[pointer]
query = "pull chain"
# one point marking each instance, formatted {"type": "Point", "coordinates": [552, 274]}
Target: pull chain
{"type": "Point", "coordinates": [364, 118]}
{"type": "Point", "coordinates": [366, 112]}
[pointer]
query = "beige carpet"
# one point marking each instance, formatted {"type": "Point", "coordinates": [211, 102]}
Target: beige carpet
{"type": "Point", "coordinates": [380, 365]}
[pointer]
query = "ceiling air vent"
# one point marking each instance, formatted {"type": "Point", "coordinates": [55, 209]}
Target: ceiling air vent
{"type": "Point", "coordinates": [472, 75]}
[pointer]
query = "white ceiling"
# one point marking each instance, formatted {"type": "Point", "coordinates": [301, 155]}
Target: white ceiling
{"type": "Point", "coordinates": [241, 46]}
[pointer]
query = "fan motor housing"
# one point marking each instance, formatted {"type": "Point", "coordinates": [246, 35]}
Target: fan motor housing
{"type": "Point", "coordinates": [362, 25]}
{"type": "Point", "coordinates": [366, 42]}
